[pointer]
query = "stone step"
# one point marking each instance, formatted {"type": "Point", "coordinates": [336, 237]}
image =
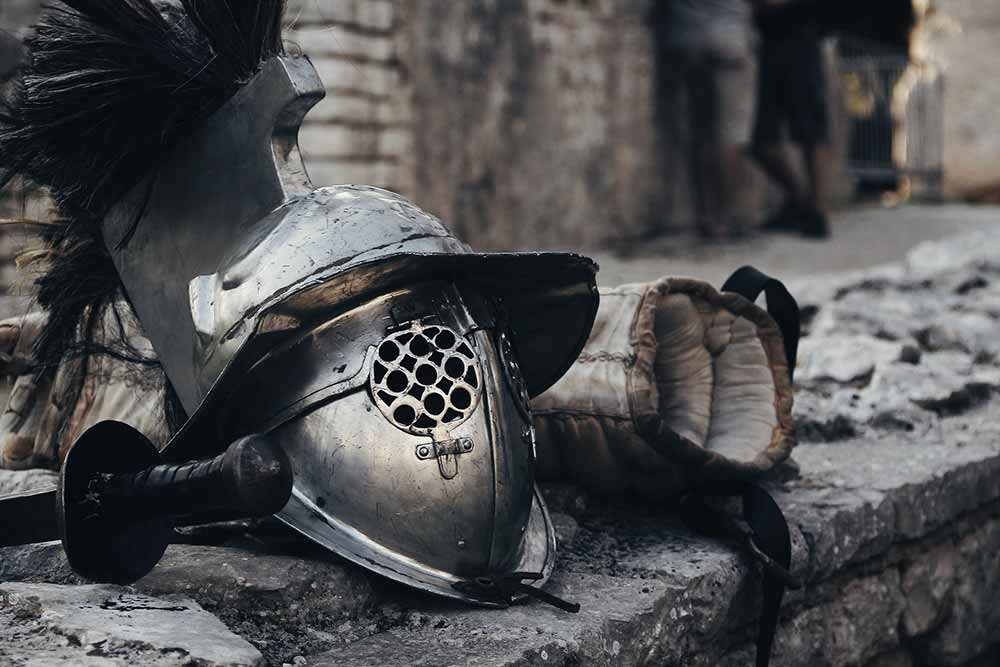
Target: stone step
{"type": "Point", "coordinates": [894, 511]}
{"type": "Point", "coordinates": [98, 626]}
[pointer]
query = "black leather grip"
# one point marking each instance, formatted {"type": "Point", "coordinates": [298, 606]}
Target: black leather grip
{"type": "Point", "coordinates": [252, 478]}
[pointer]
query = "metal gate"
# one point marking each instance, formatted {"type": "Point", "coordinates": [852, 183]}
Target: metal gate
{"type": "Point", "coordinates": [895, 109]}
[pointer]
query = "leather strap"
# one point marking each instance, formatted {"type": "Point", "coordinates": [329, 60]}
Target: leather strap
{"type": "Point", "coordinates": [749, 283]}
{"type": "Point", "coordinates": [764, 536]}
{"type": "Point", "coordinates": [505, 589]}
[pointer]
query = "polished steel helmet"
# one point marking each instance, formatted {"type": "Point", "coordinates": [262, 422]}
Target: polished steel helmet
{"type": "Point", "coordinates": [392, 363]}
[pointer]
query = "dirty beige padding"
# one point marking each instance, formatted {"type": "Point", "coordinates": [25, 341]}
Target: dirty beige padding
{"type": "Point", "coordinates": [43, 419]}
{"type": "Point", "coordinates": [677, 385]}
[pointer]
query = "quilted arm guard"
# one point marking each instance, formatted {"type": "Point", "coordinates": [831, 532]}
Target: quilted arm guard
{"type": "Point", "coordinates": [678, 385]}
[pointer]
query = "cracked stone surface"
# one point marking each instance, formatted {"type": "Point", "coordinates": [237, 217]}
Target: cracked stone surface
{"type": "Point", "coordinates": [16, 481]}
{"type": "Point", "coordinates": [894, 513]}
{"type": "Point", "coordinates": [44, 624]}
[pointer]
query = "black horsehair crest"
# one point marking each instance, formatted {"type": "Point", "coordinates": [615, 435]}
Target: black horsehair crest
{"type": "Point", "coordinates": [107, 88]}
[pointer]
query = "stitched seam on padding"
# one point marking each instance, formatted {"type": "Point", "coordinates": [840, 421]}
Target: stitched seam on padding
{"type": "Point", "coordinates": [626, 359]}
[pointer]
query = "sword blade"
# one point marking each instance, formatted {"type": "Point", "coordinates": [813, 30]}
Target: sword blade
{"type": "Point", "coordinates": [29, 518]}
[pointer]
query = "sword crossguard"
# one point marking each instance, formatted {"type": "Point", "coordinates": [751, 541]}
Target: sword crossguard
{"type": "Point", "coordinates": [119, 504]}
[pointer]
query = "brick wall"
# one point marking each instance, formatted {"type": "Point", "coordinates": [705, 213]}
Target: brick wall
{"type": "Point", "coordinates": [361, 132]}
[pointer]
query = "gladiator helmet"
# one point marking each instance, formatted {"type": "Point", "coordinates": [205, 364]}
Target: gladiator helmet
{"type": "Point", "coordinates": [392, 363]}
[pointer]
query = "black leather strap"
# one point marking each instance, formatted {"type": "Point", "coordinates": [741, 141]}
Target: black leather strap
{"type": "Point", "coordinates": [749, 283]}
{"type": "Point", "coordinates": [504, 590]}
{"type": "Point", "coordinates": [764, 536]}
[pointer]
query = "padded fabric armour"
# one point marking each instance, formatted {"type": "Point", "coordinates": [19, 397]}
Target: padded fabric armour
{"type": "Point", "coordinates": [678, 385]}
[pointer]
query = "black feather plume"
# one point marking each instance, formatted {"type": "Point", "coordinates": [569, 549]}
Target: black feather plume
{"type": "Point", "coordinates": [242, 34]}
{"type": "Point", "coordinates": [108, 87]}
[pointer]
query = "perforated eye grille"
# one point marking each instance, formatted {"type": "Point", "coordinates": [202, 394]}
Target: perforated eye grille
{"type": "Point", "coordinates": [514, 376]}
{"type": "Point", "coordinates": [425, 378]}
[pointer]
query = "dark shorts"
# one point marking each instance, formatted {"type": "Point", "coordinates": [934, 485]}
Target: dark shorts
{"type": "Point", "coordinates": [792, 92]}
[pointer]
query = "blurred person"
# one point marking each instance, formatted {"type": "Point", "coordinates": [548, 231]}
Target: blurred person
{"type": "Point", "coordinates": [705, 46]}
{"type": "Point", "coordinates": [792, 96]}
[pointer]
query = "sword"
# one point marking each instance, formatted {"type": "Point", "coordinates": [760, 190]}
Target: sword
{"type": "Point", "coordinates": [117, 503]}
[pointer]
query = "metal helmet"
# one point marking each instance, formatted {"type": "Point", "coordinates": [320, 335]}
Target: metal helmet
{"type": "Point", "coordinates": [392, 363]}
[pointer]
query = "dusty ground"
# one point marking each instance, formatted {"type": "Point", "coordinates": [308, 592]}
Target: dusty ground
{"type": "Point", "coordinates": [862, 237]}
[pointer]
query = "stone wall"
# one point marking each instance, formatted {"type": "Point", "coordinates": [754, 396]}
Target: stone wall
{"type": "Point", "coordinates": [533, 122]}
{"type": "Point", "coordinates": [535, 119]}
{"type": "Point", "coordinates": [527, 123]}
{"type": "Point", "coordinates": [522, 123]}
{"type": "Point", "coordinates": [967, 44]}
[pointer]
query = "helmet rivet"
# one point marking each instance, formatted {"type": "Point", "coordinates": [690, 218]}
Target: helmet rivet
{"type": "Point", "coordinates": [467, 445]}
{"type": "Point", "coordinates": [424, 451]}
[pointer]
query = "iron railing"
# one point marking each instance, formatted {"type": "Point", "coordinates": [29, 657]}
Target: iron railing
{"type": "Point", "coordinates": [895, 109]}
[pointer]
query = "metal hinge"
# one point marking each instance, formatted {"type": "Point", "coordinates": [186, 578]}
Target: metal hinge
{"type": "Point", "coordinates": [446, 452]}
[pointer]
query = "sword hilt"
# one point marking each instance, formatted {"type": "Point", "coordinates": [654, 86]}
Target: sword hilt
{"type": "Point", "coordinates": [118, 503]}
{"type": "Point", "coordinates": [251, 479]}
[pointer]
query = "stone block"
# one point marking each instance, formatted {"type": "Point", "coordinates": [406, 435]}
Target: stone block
{"type": "Point", "coordinates": [928, 586]}
{"type": "Point", "coordinates": [110, 625]}
{"type": "Point", "coordinates": [26, 481]}
{"type": "Point", "coordinates": [271, 600]}
{"type": "Point", "coordinates": [969, 616]}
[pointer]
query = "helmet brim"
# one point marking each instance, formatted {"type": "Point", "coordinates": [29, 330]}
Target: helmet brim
{"type": "Point", "coordinates": [550, 298]}
{"type": "Point", "coordinates": [537, 552]}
